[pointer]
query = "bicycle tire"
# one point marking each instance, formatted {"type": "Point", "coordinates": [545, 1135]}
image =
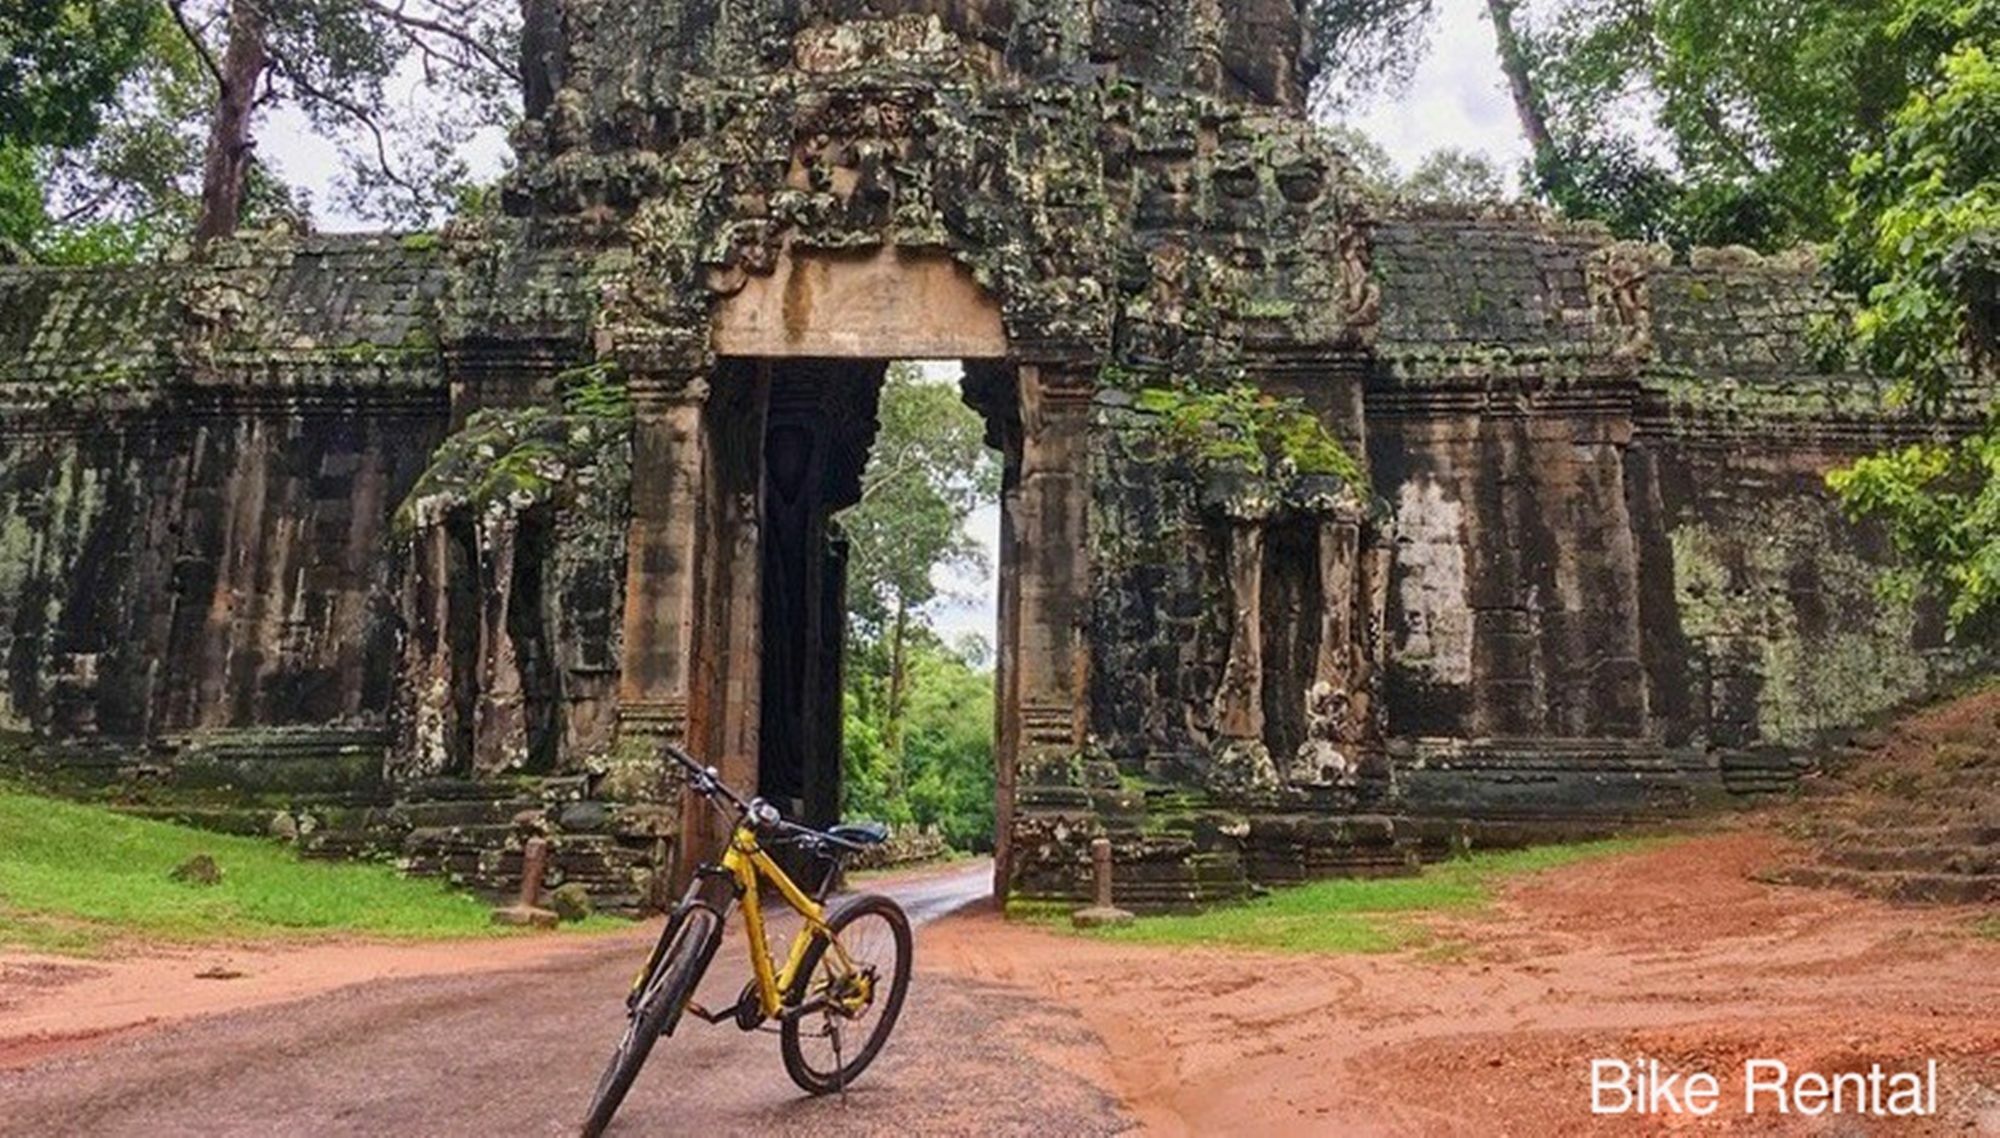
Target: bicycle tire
{"type": "Point", "coordinates": [658, 1012]}
{"type": "Point", "coordinates": [816, 1080]}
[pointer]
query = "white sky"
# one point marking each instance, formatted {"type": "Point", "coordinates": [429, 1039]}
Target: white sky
{"type": "Point", "coordinates": [1456, 99]}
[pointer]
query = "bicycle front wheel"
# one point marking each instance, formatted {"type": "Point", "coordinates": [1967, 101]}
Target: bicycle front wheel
{"type": "Point", "coordinates": [855, 984]}
{"type": "Point", "coordinates": [656, 1013]}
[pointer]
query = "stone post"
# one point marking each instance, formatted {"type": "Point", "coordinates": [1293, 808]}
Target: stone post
{"type": "Point", "coordinates": [525, 912]}
{"type": "Point", "coordinates": [1103, 912]}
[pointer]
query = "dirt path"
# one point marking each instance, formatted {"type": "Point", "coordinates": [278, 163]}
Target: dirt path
{"type": "Point", "coordinates": [55, 1005]}
{"type": "Point", "coordinates": [516, 1051]}
{"type": "Point", "coordinates": [1674, 954]}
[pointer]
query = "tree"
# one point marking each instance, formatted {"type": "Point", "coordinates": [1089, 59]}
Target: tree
{"type": "Point", "coordinates": [1715, 121]}
{"type": "Point", "coordinates": [930, 469]}
{"type": "Point", "coordinates": [60, 63]}
{"type": "Point", "coordinates": [333, 59]}
{"type": "Point", "coordinates": [1364, 47]}
{"type": "Point", "coordinates": [1455, 177]}
{"type": "Point", "coordinates": [1920, 242]}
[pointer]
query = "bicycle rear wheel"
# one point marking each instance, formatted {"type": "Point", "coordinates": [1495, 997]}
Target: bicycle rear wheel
{"type": "Point", "coordinates": [861, 984]}
{"type": "Point", "coordinates": [657, 1012]}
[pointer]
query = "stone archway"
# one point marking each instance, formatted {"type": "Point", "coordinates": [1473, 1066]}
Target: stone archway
{"type": "Point", "coordinates": [734, 581]}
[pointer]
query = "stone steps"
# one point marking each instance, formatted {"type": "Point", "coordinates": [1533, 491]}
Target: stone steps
{"type": "Point", "coordinates": [1905, 887]}
{"type": "Point", "coordinates": [1968, 861]}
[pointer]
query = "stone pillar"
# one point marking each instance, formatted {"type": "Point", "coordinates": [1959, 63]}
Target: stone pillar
{"type": "Point", "coordinates": [432, 726]}
{"type": "Point", "coordinates": [1052, 544]}
{"type": "Point", "coordinates": [1239, 702]}
{"type": "Point", "coordinates": [1340, 648]}
{"type": "Point", "coordinates": [1007, 692]}
{"type": "Point", "coordinates": [668, 487]}
{"type": "Point", "coordinates": [725, 686]}
{"type": "Point", "coordinates": [1372, 659]}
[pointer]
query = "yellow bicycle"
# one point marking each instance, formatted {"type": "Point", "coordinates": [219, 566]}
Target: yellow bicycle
{"type": "Point", "coordinates": [837, 995]}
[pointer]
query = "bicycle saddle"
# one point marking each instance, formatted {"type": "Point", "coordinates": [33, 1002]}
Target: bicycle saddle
{"type": "Point", "coordinates": [860, 834]}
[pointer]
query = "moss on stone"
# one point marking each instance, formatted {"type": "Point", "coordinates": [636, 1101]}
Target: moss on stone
{"type": "Point", "coordinates": [524, 456]}
{"type": "Point", "coordinates": [1244, 428]}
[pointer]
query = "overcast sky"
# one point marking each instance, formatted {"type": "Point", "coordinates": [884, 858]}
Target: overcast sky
{"type": "Point", "coordinates": [1456, 99]}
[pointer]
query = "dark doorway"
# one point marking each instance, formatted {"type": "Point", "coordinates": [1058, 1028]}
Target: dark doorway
{"type": "Point", "coordinates": [819, 424]}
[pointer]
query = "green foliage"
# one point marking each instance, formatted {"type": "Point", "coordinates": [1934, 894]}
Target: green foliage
{"type": "Point", "coordinates": [1455, 177]}
{"type": "Point", "coordinates": [60, 63]}
{"type": "Point", "coordinates": [919, 713]}
{"type": "Point", "coordinates": [948, 745]}
{"type": "Point", "coordinates": [1757, 103]}
{"type": "Point", "coordinates": [1921, 227]}
{"type": "Point", "coordinates": [929, 469]}
{"type": "Point", "coordinates": [77, 878]}
{"type": "Point", "coordinates": [1243, 426]}
{"type": "Point", "coordinates": [1920, 241]}
{"type": "Point", "coordinates": [1358, 916]}
{"type": "Point", "coordinates": [1357, 48]}
{"type": "Point", "coordinates": [943, 775]}
{"type": "Point", "coordinates": [1942, 506]}
{"type": "Point", "coordinates": [123, 192]}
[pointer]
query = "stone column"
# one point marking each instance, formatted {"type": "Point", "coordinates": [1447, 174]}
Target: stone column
{"type": "Point", "coordinates": [1052, 512]}
{"type": "Point", "coordinates": [1372, 659]}
{"type": "Point", "coordinates": [668, 475]}
{"type": "Point", "coordinates": [1239, 702]}
{"type": "Point", "coordinates": [1329, 704]}
{"type": "Point", "coordinates": [499, 718]}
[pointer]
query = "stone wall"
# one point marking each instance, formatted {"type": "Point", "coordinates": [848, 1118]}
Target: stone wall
{"type": "Point", "coordinates": [1331, 526]}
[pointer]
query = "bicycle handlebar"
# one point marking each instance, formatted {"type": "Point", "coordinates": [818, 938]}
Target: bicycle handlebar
{"type": "Point", "coordinates": [707, 782]}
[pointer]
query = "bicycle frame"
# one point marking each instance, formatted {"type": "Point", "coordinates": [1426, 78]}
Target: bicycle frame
{"type": "Point", "coordinates": [745, 863]}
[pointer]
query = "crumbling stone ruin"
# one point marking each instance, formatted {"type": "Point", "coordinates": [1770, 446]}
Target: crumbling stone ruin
{"type": "Point", "coordinates": [1331, 527]}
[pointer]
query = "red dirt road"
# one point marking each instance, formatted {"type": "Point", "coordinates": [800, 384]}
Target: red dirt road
{"type": "Point", "coordinates": [1676, 954]}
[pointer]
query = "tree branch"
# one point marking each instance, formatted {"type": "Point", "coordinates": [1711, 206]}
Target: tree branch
{"type": "Point", "coordinates": [410, 24]}
{"type": "Point", "coordinates": [350, 108]}
{"type": "Point", "coordinates": [194, 38]}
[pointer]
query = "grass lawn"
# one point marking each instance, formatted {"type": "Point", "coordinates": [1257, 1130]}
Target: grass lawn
{"type": "Point", "coordinates": [78, 879]}
{"type": "Point", "coordinates": [1360, 915]}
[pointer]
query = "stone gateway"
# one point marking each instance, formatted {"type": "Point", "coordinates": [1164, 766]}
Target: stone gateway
{"type": "Point", "coordinates": [1331, 527]}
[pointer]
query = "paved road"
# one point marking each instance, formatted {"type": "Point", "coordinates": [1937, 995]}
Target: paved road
{"type": "Point", "coordinates": [518, 1052]}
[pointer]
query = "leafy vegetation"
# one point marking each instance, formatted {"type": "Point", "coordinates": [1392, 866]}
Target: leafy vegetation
{"type": "Point", "coordinates": [1920, 242]}
{"type": "Point", "coordinates": [77, 878]}
{"type": "Point", "coordinates": [127, 126]}
{"type": "Point", "coordinates": [919, 712]}
{"type": "Point", "coordinates": [1359, 916]}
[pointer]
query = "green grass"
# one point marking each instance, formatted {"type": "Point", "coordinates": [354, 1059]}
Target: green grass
{"type": "Point", "coordinates": [1987, 927]}
{"type": "Point", "coordinates": [1361, 916]}
{"type": "Point", "coordinates": [79, 879]}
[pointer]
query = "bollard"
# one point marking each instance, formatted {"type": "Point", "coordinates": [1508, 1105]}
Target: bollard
{"type": "Point", "coordinates": [534, 864]}
{"type": "Point", "coordinates": [1103, 912]}
{"type": "Point", "coordinates": [524, 912]}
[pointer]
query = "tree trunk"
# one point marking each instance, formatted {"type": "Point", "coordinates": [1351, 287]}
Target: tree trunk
{"type": "Point", "coordinates": [1528, 103]}
{"type": "Point", "coordinates": [898, 683]}
{"type": "Point", "coordinates": [225, 167]}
